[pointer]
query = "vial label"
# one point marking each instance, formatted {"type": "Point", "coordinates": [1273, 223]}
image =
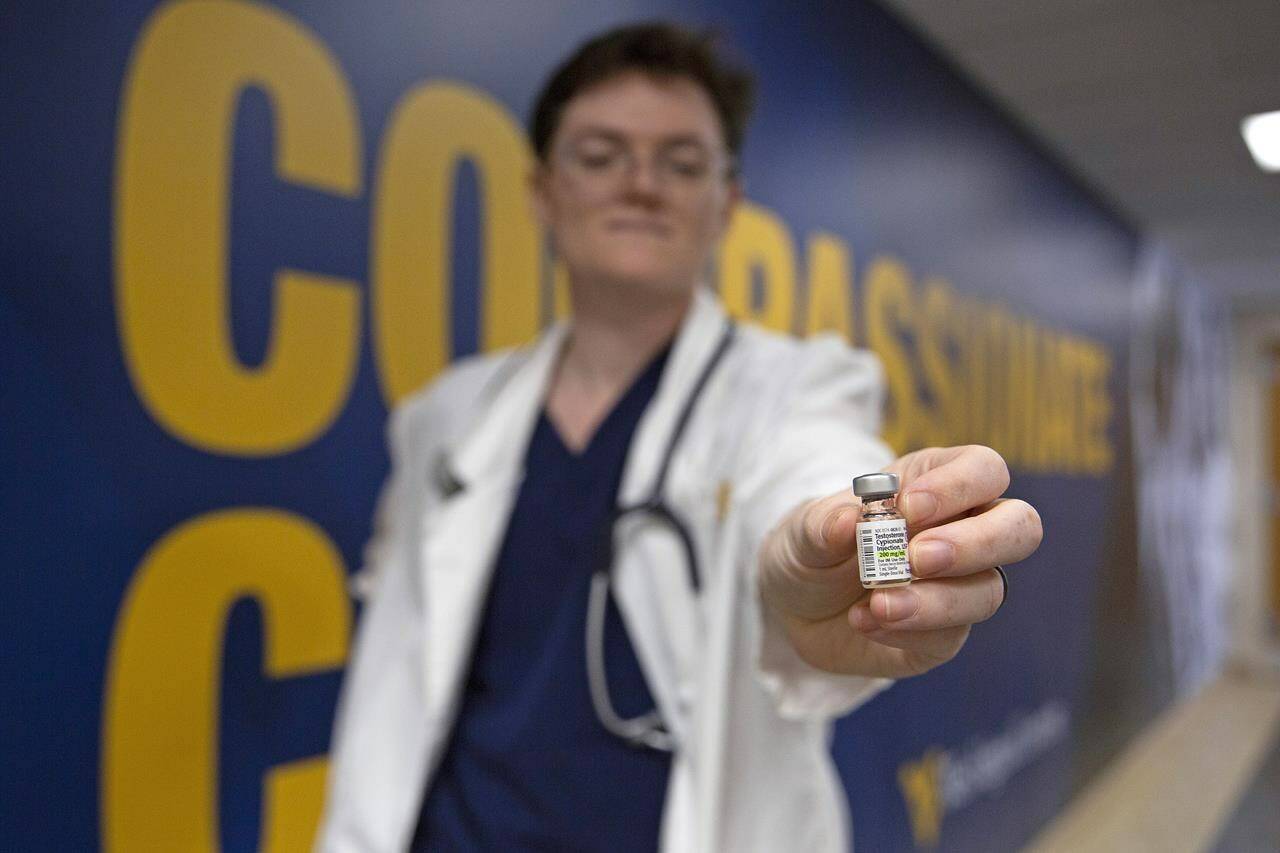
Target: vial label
{"type": "Point", "coordinates": [882, 551]}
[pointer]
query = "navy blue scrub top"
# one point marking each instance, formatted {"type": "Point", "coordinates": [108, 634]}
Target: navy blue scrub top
{"type": "Point", "coordinates": [529, 766]}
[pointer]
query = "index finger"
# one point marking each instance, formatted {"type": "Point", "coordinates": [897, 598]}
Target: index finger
{"type": "Point", "coordinates": [943, 482]}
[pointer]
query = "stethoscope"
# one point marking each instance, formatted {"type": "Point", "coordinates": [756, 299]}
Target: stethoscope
{"type": "Point", "coordinates": [649, 729]}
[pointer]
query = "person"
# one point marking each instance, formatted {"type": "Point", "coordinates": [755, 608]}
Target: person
{"type": "Point", "coordinates": [617, 602]}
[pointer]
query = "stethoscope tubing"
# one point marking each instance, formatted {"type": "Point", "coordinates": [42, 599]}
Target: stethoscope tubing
{"type": "Point", "coordinates": [647, 730]}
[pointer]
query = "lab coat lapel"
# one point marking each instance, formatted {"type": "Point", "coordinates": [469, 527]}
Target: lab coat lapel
{"type": "Point", "coordinates": [461, 539]}
{"type": "Point", "coordinates": [462, 536]}
{"type": "Point", "coordinates": [652, 589]}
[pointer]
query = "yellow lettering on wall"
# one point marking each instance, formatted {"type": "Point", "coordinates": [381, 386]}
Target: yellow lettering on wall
{"type": "Point", "coordinates": [828, 302]}
{"type": "Point", "coordinates": [1010, 371]}
{"type": "Point", "coordinates": [1021, 386]}
{"type": "Point", "coordinates": [192, 62]}
{"type": "Point", "coordinates": [1069, 404]}
{"type": "Point", "coordinates": [1075, 370]}
{"type": "Point", "coordinates": [1098, 454]}
{"type": "Point", "coordinates": [937, 337]}
{"type": "Point", "coordinates": [758, 240]}
{"type": "Point", "coordinates": [886, 295]}
{"type": "Point", "coordinates": [1036, 378]}
{"type": "Point", "coordinates": [998, 330]}
{"type": "Point", "coordinates": [1050, 401]}
{"type": "Point", "coordinates": [160, 724]}
{"type": "Point", "coordinates": [977, 380]}
{"type": "Point", "coordinates": [293, 804]}
{"type": "Point", "coordinates": [921, 786]}
{"type": "Point", "coordinates": [434, 127]}
{"type": "Point", "coordinates": [1033, 378]}
{"type": "Point", "coordinates": [1041, 379]}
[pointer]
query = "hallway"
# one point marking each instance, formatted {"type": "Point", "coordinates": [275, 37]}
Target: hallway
{"type": "Point", "coordinates": [1205, 776]}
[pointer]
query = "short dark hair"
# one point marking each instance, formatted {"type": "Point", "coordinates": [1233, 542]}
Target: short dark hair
{"type": "Point", "coordinates": [662, 50]}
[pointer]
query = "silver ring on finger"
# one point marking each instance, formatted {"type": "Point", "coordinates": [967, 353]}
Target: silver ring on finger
{"type": "Point", "coordinates": [1004, 581]}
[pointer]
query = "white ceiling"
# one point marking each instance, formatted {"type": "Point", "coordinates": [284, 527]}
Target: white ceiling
{"type": "Point", "coordinates": [1142, 100]}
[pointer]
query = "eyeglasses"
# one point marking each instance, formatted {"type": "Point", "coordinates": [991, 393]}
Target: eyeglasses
{"type": "Point", "coordinates": [604, 161]}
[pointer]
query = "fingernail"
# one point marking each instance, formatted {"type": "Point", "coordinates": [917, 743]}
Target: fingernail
{"type": "Point", "coordinates": [919, 506]}
{"type": "Point", "coordinates": [931, 556]}
{"type": "Point", "coordinates": [899, 604]}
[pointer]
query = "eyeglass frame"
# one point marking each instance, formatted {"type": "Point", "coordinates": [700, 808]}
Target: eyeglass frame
{"type": "Point", "coordinates": [659, 163]}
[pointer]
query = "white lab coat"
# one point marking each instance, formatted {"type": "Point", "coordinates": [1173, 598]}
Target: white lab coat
{"type": "Point", "coordinates": [780, 421]}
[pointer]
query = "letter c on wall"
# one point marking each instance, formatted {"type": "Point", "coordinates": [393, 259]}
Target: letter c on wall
{"type": "Point", "coordinates": [191, 62]}
{"type": "Point", "coordinates": [160, 709]}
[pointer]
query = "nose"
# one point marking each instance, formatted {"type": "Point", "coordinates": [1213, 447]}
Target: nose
{"type": "Point", "coordinates": [643, 183]}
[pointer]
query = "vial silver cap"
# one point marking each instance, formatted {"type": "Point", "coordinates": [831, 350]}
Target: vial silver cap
{"type": "Point", "coordinates": [875, 484]}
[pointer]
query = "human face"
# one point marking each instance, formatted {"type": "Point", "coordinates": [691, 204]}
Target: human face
{"type": "Point", "coordinates": [636, 189]}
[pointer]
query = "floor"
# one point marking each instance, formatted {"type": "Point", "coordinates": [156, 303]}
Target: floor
{"type": "Point", "coordinates": [1204, 777]}
{"type": "Point", "coordinates": [1255, 824]}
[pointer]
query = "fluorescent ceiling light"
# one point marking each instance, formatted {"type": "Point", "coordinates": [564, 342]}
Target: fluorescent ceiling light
{"type": "Point", "coordinates": [1262, 135]}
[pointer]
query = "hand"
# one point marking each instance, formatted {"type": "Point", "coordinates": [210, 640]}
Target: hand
{"type": "Point", "coordinates": [959, 528]}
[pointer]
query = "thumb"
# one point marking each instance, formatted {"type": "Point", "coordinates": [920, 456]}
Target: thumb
{"type": "Point", "coordinates": [799, 575]}
{"type": "Point", "coordinates": [821, 533]}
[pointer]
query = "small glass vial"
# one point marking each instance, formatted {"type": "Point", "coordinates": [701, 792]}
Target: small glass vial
{"type": "Point", "coordinates": [882, 532]}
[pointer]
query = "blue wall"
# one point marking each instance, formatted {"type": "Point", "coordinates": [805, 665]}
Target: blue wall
{"type": "Point", "coordinates": [159, 543]}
